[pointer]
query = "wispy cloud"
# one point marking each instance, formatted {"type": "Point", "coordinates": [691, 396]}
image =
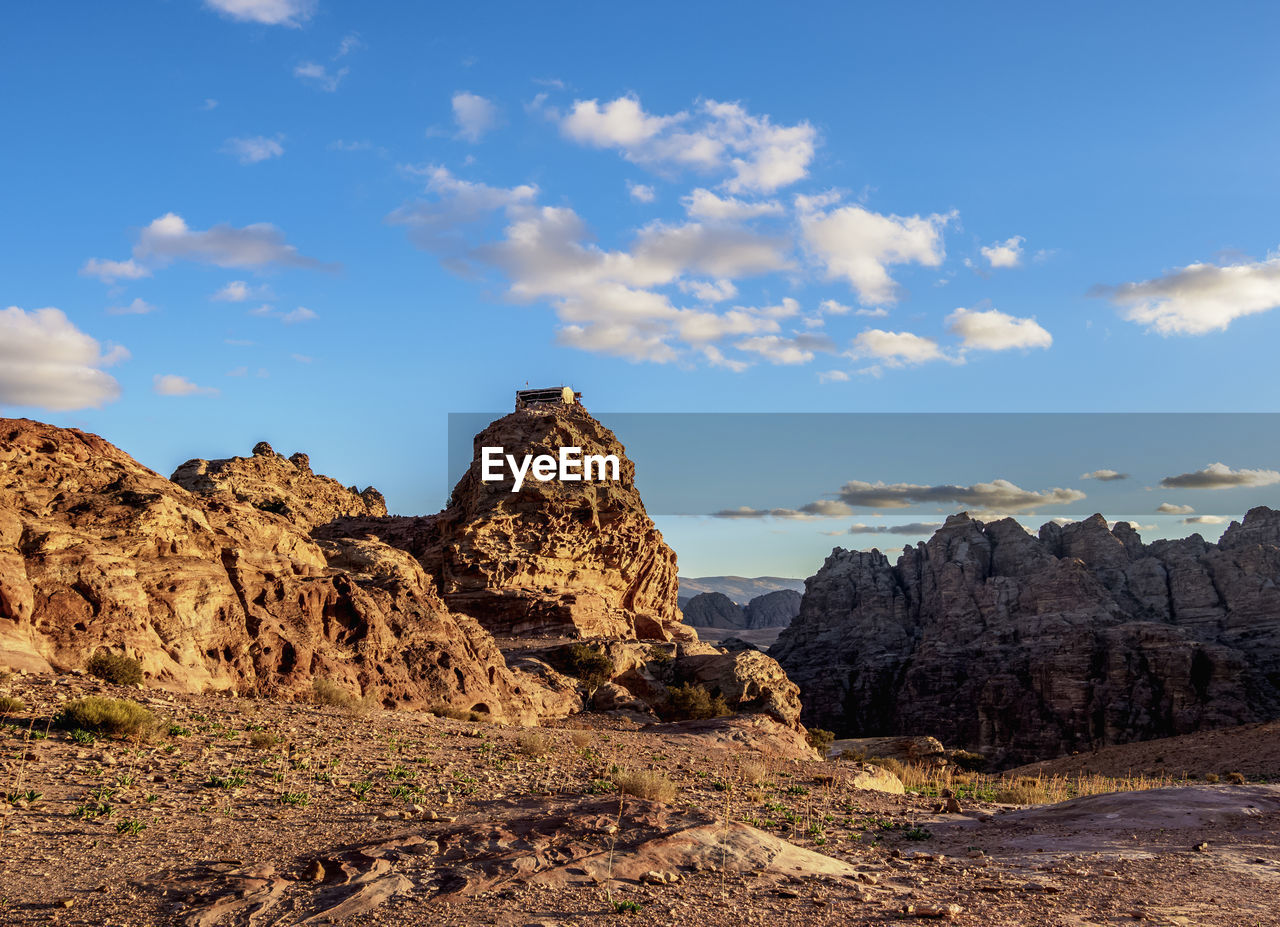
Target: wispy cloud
{"type": "Point", "coordinates": [254, 149]}
{"type": "Point", "coordinates": [291, 13]}
{"type": "Point", "coordinates": [474, 115]}
{"type": "Point", "coordinates": [170, 384]}
{"type": "Point", "coordinates": [1220, 476]}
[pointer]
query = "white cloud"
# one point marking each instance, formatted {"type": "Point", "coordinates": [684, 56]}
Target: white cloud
{"type": "Point", "coordinates": [238, 372]}
{"type": "Point", "coordinates": [789, 351]}
{"type": "Point", "coordinates": [254, 149]}
{"type": "Point", "coordinates": [1104, 475]}
{"type": "Point", "coordinates": [715, 357]}
{"type": "Point", "coordinates": [1220, 476]}
{"type": "Point", "coordinates": [896, 349]}
{"type": "Point", "coordinates": [302, 358]}
{"type": "Point", "coordinates": [350, 42]}
{"type": "Point", "coordinates": [831, 307]}
{"type": "Point", "coordinates": [474, 115]}
{"type": "Point", "coordinates": [237, 291]}
{"type": "Point", "coordinates": [997, 495]}
{"type": "Point", "coordinates": [833, 376]}
{"type": "Point", "coordinates": [254, 246]}
{"type": "Point", "coordinates": [1199, 298]}
{"type": "Point", "coordinates": [760, 155]}
{"type": "Point", "coordinates": [1206, 520]}
{"type": "Point", "coordinates": [703, 204]}
{"type": "Point", "coordinates": [301, 314]}
{"type": "Point", "coordinates": [268, 12]}
{"type": "Point", "coordinates": [993, 330]}
{"type": "Point", "coordinates": [1168, 508]}
{"type": "Point", "coordinates": [137, 307]}
{"type": "Point", "coordinates": [171, 384]}
{"type": "Point", "coordinates": [111, 271]}
{"type": "Point", "coordinates": [914, 527]}
{"type": "Point", "coordinates": [716, 291]}
{"type": "Point", "coordinates": [318, 75]}
{"type": "Point", "coordinates": [641, 193]}
{"type": "Point", "coordinates": [46, 362]}
{"type": "Point", "coordinates": [859, 245]}
{"type": "Point", "coordinates": [1007, 253]}
{"type": "Point", "coordinates": [209, 103]}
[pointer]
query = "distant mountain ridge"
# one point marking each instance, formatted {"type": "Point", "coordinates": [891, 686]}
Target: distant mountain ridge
{"type": "Point", "coordinates": [740, 589]}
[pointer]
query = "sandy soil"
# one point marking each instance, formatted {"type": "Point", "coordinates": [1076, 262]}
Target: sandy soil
{"type": "Point", "coordinates": [402, 818]}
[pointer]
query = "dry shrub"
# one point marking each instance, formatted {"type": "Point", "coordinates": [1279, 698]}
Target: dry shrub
{"type": "Point", "coordinates": [115, 668]}
{"type": "Point", "coordinates": [647, 783]}
{"type": "Point", "coordinates": [261, 740]}
{"type": "Point", "coordinates": [1236, 778]}
{"type": "Point", "coordinates": [581, 739]}
{"type": "Point", "coordinates": [1211, 778]}
{"type": "Point", "coordinates": [753, 773]}
{"type": "Point", "coordinates": [533, 743]}
{"type": "Point", "coordinates": [11, 705]}
{"type": "Point", "coordinates": [328, 693]}
{"type": "Point", "coordinates": [112, 716]}
{"type": "Point", "coordinates": [441, 710]}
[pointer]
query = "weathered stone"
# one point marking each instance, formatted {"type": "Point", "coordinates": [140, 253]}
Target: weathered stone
{"type": "Point", "coordinates": [1023, 648]}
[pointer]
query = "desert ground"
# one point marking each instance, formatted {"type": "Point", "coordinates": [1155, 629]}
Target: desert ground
{"type": "Point", "coordinates": [239, 811]}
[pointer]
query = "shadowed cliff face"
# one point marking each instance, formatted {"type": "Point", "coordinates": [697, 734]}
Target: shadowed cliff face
{"type": "Point", "coordinates": [1024, 647]}
{"type": "Point", "coordinates": [209, 593]}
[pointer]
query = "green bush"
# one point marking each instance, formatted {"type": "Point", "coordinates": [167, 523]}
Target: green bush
{"type": "Point", "coordinates": [692, 702]}
{"type": "Point", "coordinates": [590, 664]}
{"type": "Point", "coordinates": [114, 716]}
{"type": "Point", "coordinates": [115, 668]}
{"type": "Point", "coordinates": [820, 739]}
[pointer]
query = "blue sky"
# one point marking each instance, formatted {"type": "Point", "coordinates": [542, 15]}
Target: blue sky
{"type": "Point", "coordinates": [328, 225]}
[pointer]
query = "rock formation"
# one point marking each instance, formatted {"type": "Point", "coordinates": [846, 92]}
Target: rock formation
{"type": "Point", "coordinates": [712, 610]}
{"type": "Point", "coordinates": [715, 610]}
{"type": "Point", "coordinates": [98, 552]}
{"type": "Point", "coordinates": [1025, 648]}
{"type": "Point", "coordinates": [274, 483]}
{"type": "Point", "coordinates": [772, 610]}
{"type": "Point", "coordinates": [581, 558]}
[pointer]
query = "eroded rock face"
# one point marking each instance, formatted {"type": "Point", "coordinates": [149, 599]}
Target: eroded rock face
{"type": "Point", "coordinates": [1023, 648]}
{"type": "Point", "coordinates": [581, 558]}
{"type": "Point", "coordinates": [713, 610]}
{"type": "Point", "coordinates": [716, 610]}
{"type": "Point", "coordinates": [209, 593]}
{"type": "Point", "coordinates": [273, 483]}
{"type": "Point", "coordinates": [772, 610]}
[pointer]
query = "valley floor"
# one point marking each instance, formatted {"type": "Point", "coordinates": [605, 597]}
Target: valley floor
{"type": "Point", "coordinates": [258, 812]}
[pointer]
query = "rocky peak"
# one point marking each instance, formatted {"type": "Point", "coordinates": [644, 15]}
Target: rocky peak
{"type": "Point", "coordinates": [580, 556]}
{"type": "Point", "coordinates": [285, 486]}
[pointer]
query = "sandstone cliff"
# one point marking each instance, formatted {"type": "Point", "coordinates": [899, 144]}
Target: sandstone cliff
{"type": "Point", "coordinates": [991, 639]}
{"type": "Point", "coordinates": [284, 485]}
{"type": "Point", "coordinates": [562, 557]}
{"type": "Point", "coordinates": [96, 551]}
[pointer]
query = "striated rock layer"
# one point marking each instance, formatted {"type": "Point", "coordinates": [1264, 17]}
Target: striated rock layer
{"type": "Point", "coordinates": [97, 551]}
{"type": "Point", "coordinates": [715, 610]}
{"type": "Point", "coordinates": [564, 557]}
{"type": "Point", "coordinates": [1025, 648]}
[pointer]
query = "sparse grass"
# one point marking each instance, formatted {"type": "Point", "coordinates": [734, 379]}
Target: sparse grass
{"type": "Point", "coordinates": [692, 702]}
{"type": "Point", "coordinates": [753, 773]}
{"type": "Point", "coordinates": [458, 714]}
{"type": "Point", "coordinates": [110, 716]}
{"type": "Point", "coordinates": [328, 693]}
{"type": "Point", "coordinates": [627, 906]}
{"type": "Point", "coordinates": [301, 799]}
{"type": "Point", "coordinates": [130, 826]}
{"type": "Point", "coordinates": [115, 668]}
{"type": "Point", "coordinates": [232, 780]}
{"type": "Point", "coordinates": [11, 705]}
{"type": "Point", "coordinates": [261, 740]}
{"type": "Point", "coordinates": [533, 743]}
{"type": "Point", "coordinates": [649, 784]}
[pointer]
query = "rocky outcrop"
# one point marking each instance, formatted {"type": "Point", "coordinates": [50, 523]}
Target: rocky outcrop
{"type": "Point", "coordinates": [283, 485]}
{"type": "Point", "coordinates": [715, 610]}
{"type": "Point", "coordinates": [1022, 647]}
{"type": "Point", "coordinates": [98, 552]}
{"type": "Point", "coordinates": [581, 558]}
{"type": "Point", "coordinates": [772, 610]}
